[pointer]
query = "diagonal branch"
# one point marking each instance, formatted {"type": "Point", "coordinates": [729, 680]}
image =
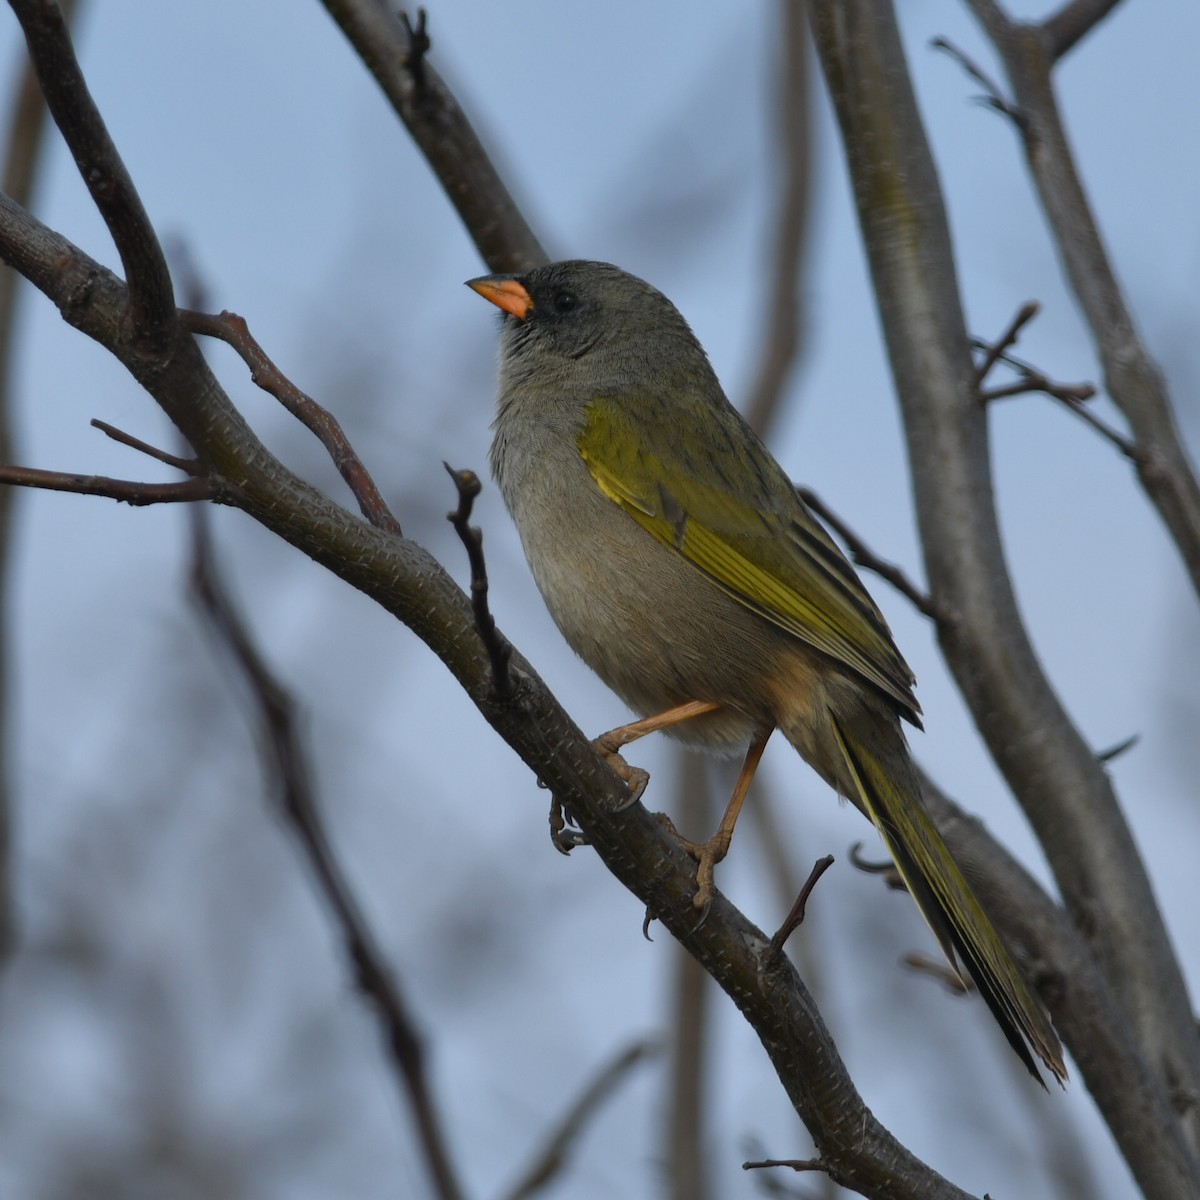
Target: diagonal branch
{"type": "Point", "coordinates": [1065, 793]}
{"type": "Point", "coordinates": [1131, 377]}
{"type": "Point", "coordinates": [407, 582]}
{"type": "Point", "coordinates": [398, 58]}
{"type": "Point", "coordinates": [1133, 947]}
{"type": "Point", "coordinates": [1085, 1007]}
{"type": "Point", "coordinates": [233, 330]}
{"type": "Point", "coordinates": [189, 466]}
{"type": "Point", "coordinates": [865, 557]}
{"type": "Point", "coordinates": [151, 302]}
{"type": "Point", "coordinates": [551, 1159]}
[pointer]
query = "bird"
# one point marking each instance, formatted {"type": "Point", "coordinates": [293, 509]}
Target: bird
{"type": "Point", "coordinates": [680, 563]}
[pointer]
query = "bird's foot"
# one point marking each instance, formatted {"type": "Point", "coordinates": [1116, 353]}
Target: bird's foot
{"type": "Point", "coordinates": [634, 778]}
{"type": "Point", "coordinates": [707, 855]}
{"type": "Point", "coordinates": [563, 834]}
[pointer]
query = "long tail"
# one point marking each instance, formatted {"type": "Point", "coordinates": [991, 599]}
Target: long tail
{"type": "Point", "coordinates": [892, 800]}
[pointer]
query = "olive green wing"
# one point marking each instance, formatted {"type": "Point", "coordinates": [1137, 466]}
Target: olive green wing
{"type": "Point", "coordinates": [721, 501]}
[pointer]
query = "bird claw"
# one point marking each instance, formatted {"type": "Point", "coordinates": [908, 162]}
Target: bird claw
{"type": "Point", "coordinates": [707, 855]}
{"type": "Point", "coordinates": [634, 778]}
{"type": "Point", "coordinates": [564, 837]}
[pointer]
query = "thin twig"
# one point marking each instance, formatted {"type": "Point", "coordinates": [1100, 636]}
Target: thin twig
{"type": "Point", "coordinates": [291, 774]}
{"type": "Point", "coordinates": [1132, 378]}
{"type": "Point", "coordinates": [150, 316]}
{"type": "Point", "coordinates": [1035, 381]}
{"type": "Point", "coordinates": [795, 915]}
{"type": "Point", "coordinates": [992, 96]}
{"type": "Point", "coordinates": [866, 558]}
{"type": "Point", "coordinates": [1114, 752]}
{"type": "Point", "coordinates": [550, 1161]}
{"type": "Point", "coordinates": [993, 351]}
{"type": "Point", "coordinates": [498, 648]}
{"type": "Point", "coordinates": [189, 466]}
{"type": "Point", "coordinates": [1072, 395]}
{"type": "Point", "coordinates": [233, 330]}
{"type": "Point", "coordinates": [794, 1164]}
{"type": "Point", "coordinates": [128, 491]}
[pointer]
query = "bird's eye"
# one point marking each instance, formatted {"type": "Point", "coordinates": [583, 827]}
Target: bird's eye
{"type": "Point", "coordinates": [564, 302]}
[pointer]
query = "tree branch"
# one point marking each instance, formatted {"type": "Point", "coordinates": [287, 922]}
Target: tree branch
{"type": "Point", "coordinates": [1129, 1092]}
{"type": "Point", "coordinates": [150, 317]}
{"type": "Point", "coordinates": [1063, 790]}
{"type": "Point", "coordinates": [865, 557]}
{"type": "Point", "coordinates": [1131, 377]}
{"type": "Point", "coordinates": [407, 582]}
{"type": "Point", "coordinates": [1132, 945]}
{"type": "Point", "coordinates": [441, 130]}
{"type": "Point", "coordinates": [550, 1161]}
{"type": "Point", "coordinates": [1072, 22]}
{"type": "Point", "coordinates": [233, 330]}
{"type": "Point", "coordinates": [783, 317]}
{"type": "Point", "coordinates": [127, 490]}
{"type": "Point", "coordinates": [189, 466]}
{"type": "Point", "coordinates": [498, 648]}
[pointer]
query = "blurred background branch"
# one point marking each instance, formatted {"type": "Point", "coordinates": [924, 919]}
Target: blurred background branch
{"type": "Point", "coordinates": [22, 157]}
{"type": "Point", "coordinates": [1131, 377]}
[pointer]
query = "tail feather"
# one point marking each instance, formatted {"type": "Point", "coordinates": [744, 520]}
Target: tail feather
{"type": "Point", "coordinates": [949, 906]}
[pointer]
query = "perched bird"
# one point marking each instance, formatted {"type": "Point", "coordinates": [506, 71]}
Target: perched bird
{"type": "Point", "coordinates": [678, 561]}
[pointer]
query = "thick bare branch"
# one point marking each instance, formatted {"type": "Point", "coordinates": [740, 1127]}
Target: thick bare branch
{"type": "Point", "coordinates": [439, 127]}
{"type": "Point", "coordinates": [151, 314]}
{"type": "Point", "coordinates": [1062, 788]}
{"type": "Point", "coordinates": [1154, 995]}
{"type": "Point", "coordinates": [1131, 377]}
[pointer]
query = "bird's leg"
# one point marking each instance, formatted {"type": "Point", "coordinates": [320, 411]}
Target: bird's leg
{"type": "Point", "coordinates": [608, 745]}
{"type": "Point", "coordinates": [714, 850]}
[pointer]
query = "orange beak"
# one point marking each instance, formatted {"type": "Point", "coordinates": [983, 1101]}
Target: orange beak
{"type": "Point", "coordinates": [504, 292]}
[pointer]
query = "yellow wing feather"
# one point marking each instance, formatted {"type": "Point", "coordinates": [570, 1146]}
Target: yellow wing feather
{"type": "Point", "coordinates": [765, 549]}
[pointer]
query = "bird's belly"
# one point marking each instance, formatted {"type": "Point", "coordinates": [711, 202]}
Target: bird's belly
{"type": "Point", "coordinates": [656, 629]}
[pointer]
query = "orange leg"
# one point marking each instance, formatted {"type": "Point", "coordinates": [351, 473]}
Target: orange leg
{"type": "Point", "coordinates": [614, 739]}
{"type": "Point", "coordinates": [609, 744]}
{"type": "Point", "coordinates": [708, 854]}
